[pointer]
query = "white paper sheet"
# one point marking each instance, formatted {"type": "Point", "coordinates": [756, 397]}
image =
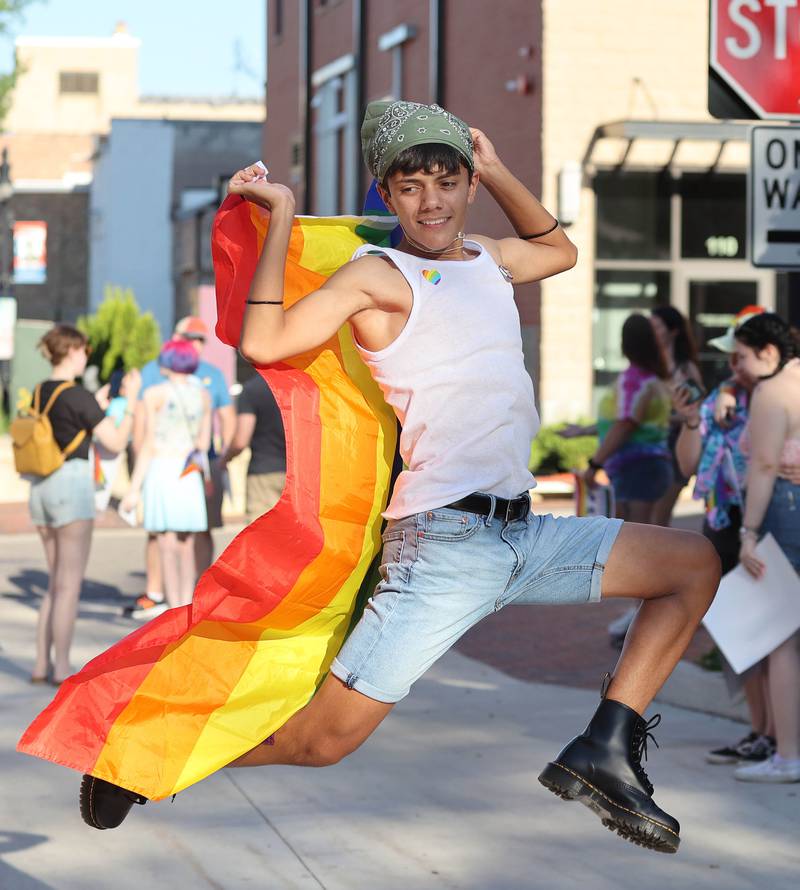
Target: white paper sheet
{"type": "Point", "coordinates": [130, 516]}
{"type": "Point", "coordinates": [749, 618]}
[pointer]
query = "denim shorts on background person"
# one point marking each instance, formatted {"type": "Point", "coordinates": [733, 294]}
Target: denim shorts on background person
{"type": "Point", "coordinates": [64, 496]}
{"type": "Point", "coordinates": [783, 519]}
{"type": "Point", "coordinates": [444, 570]}
{"type": "Point", "coordinates": [643, 479]}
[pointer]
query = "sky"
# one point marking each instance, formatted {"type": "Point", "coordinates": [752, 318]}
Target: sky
{"type": "Point", "coordinates": [189, 47]}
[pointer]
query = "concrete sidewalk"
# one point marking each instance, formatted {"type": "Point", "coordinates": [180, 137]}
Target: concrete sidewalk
{"type": "Point", "coordinates": [443, 796]}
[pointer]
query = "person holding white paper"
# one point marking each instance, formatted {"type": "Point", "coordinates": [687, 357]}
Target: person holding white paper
{"type": "Point", "coordinates": [767, 348]}
{"type": "Point", "coordinates": [709, 446]}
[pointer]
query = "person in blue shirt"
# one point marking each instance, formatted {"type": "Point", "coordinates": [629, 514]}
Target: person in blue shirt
{"type": "Point", "coordinates": [193, 329]}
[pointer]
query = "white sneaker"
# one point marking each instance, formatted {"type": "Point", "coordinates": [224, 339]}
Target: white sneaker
{"type": "Point", "coordinates": [146, 613]}
{"type": "Point", "coordinates": [776, 769]}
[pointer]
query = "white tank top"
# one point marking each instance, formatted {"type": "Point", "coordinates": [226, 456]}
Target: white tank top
{"type": "Point", "coordinates": [456, 379]}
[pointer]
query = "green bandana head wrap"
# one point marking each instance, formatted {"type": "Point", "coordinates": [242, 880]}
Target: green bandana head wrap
{"type": "Point", "coordinates": [390, 127]}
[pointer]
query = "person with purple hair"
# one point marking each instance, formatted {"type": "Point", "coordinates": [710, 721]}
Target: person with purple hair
{"type": "Point", "coordinates": [177, 424]}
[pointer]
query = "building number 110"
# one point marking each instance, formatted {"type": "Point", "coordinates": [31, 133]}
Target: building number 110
{"type": "Point", "coordinates": [722, 245]}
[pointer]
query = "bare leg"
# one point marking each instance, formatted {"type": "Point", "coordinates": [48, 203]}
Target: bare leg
{"type": "Point", "coordinates": [44, 636]}
{"type": "Point", "coordinates": [155, 581]}
{"type": "Point", "coordinates": [73, 542]}
{"type": "Point", "coordinates": [186, 566]}
{"type": "Point", "coordinates": [203, 551]}
{"type": "Point", "coordinates": [756, 694]}
{"type": "Point", "coordinates": [332, 725]}
{"type": "Point", "coordinates": [676, 574]}
{"type": "Point", "coordinates": [769, 728]}
{"type": "Point", "coordinates": [640, 511]}
{"type": "Point", "coordinates": [663, 507]}
{"type": "Point", "coordinates": [170, 573]}
{"type": "Point", "coordinates": [628, 511]}
{"type": "Point", "coordinates": [784, 688]}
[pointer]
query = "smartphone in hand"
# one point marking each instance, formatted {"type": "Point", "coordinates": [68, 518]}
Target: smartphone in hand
{"type": "Point", "coordinates": [695, 392]}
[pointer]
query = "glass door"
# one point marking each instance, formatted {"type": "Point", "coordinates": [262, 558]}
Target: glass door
{"type": "Point", "coordinates": [711, 298]}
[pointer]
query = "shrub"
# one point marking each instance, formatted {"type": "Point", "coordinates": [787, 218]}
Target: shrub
{"type": "Point", "coordinates": [120, 334]}
{"type": "Point", "coordinates": [551, 453]}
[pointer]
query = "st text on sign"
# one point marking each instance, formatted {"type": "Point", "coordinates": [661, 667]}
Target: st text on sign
{"type": "Point", "coordinates": [755, 48]}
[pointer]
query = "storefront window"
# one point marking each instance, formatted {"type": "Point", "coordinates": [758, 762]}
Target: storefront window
{"type": "Point", "coordinates": [713, 216]}
{"type": "Point", "coordinates": [633, 215]}
{"type": "Point", "coordinates": [712, 308]}
{"type": "Point", "coordinates": [617, 295]}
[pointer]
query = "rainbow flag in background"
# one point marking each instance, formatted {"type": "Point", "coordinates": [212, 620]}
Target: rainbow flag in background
{"type": "Point", "coordinates": [196, 462]}
{"type": "Point", "coordinates": [193, 689]}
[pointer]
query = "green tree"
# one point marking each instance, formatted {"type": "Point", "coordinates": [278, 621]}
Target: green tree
{"type": "Point", "coordinates": [120, 334]}
{"type": "Point", "coordinates": [9, 11]}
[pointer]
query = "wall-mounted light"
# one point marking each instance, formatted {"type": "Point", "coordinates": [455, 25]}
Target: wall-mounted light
{"type": "Point", "coordinates": [570, 180]}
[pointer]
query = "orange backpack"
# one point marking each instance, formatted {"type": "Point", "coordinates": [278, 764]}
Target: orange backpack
{"type": "Point", "coordinates": [36, 451]}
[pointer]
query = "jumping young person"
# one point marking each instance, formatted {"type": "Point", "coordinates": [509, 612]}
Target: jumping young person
{"type": "Point", "coordinates": [435, 322]}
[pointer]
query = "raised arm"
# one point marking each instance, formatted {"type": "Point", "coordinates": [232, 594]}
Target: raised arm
{"type": "Point", "coordinates": [270, 333]}
{"type": "Point", "coordinates": [526, 259]}
{"type": "Point", "coordinates": [689, 446]}
{"type": "Point", "coordinates": [108, 434]}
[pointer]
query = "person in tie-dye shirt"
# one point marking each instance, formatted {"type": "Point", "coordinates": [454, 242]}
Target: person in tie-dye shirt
{"type": "Point", "coordinates": [633, 426]}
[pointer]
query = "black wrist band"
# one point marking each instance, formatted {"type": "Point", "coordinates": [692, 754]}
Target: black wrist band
{"type": "Point", "coordinates": [594, 465]}
{"type": "Point", "coordinates": [265, 302]}
{"type": "Point", "coordinates": [689, 425]}
{"type": "Point", "coordinates": [540, 234]}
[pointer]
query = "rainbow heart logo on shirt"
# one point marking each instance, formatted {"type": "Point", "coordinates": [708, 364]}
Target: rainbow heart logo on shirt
{"type": "Point", "coordinates": [431, 275]}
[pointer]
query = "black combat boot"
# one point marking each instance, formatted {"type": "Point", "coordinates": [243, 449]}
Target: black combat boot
{"type": "Point", "coordinates": [602, 768]}
{"type": "Point", "coordinates": [104, 805]}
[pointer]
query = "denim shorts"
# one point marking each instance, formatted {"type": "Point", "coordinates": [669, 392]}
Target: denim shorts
{"type": "Point", "coordinates": [64, 496]}
{"type": "Point", "coordinates": [645, 479]}
{"type": "Point", "coordinates": [783, 519]}
{"type": "Point", "coordinates": [444, 570]}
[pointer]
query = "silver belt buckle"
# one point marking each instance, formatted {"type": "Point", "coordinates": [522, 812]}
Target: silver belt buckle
{"type": "Point", "coordinates": [509, 507]}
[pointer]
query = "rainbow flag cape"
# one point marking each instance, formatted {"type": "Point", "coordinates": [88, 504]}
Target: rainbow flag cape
{"type": "Point", "coordinates": [198, 686]}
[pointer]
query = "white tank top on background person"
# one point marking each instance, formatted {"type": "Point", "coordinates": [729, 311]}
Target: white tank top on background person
{"type": "Point", "coordinates": [178, 421]}
{"type": "Point", "coordinates": [456, 378]}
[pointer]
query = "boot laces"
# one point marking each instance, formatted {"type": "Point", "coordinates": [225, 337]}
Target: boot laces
{"type": "Point", "coordinates": [641, 733]}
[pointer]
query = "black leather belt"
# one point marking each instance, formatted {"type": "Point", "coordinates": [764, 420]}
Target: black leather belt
{"type": "Point", "coordinates": [508, 511]}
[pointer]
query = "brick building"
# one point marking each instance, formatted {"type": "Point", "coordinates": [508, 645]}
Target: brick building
{"type": "Point", "coordinates": [326, 60]}
{"type": "Point", "coordinates": [601, 110]}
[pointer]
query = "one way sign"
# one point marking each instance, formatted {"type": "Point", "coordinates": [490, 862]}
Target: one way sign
{"type": "Point", "coordinates": [774, 196]}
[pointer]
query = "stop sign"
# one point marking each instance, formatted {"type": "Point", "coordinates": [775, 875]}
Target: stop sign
{"type": "Point", "coordinates": [755, 48]}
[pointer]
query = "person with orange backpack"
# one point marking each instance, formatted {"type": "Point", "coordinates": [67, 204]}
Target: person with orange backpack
{"type": "Point", "coordinates": [51, 447]}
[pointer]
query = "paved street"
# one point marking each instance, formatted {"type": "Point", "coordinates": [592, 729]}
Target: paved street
{"type": "Point", "coordinates": [444, 796]}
